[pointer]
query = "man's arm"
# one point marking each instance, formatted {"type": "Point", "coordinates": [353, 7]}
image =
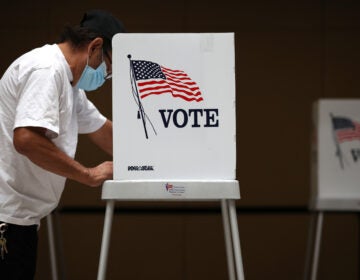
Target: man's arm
{"type": "Point", "coordinates": [103, 137]}
{"type": "Point", "coordinates": [32, 143]}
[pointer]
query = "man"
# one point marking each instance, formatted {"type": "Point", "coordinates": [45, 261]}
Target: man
{"type": "Point", "coordinates": [43, 107]}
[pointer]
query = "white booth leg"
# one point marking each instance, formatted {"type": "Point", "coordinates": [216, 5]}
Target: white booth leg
{"type": "Point", "coordinates": [317, 244]}
{"type": "Point", "coordinates": [310, 245]}
{"type": "Point", "coordinates": [228, 241]}
{"type": "Point", "coordinates": [52, 250]}
{"type": "Point", "coordinates": [106, 239]}
{"type": "Point", "coordinates": [236, 240]}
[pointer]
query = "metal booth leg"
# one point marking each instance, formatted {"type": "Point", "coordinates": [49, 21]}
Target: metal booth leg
{"type": "Point", "coordinates": [106, 239]}
{"type": "Point", "coordinates": [236, 240]}
{"type": "Point", "coordinates": [309, 246]}
{"type": "Point", "coordinates": [315, 263]}
{"type": "Point", "coordinates": [52, 250]}
{"type": "Point", "coordinates": [232, 239]}
{"type": "Point", "coordinates": [228, 241]}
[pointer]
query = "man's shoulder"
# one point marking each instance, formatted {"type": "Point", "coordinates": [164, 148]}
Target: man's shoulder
{"type": "Point", "coordinates": [46, 58]}
{"type": "Point", "coordinates": [42, 57]}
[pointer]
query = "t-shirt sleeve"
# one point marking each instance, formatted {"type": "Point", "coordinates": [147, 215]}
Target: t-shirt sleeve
{"type": "Point", "coordinates": [38, 103]}
{"type": "Point", "coordinates": [89, 118]}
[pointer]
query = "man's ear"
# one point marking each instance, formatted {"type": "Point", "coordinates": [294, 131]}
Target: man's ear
{"type": "Point", "coordinates": [95, 44]}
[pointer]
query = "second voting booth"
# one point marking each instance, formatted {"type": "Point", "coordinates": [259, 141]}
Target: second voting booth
{"type": "Point", "coordinates": [335, 166]}
{"type": "Point", "coordinates": [174, 127]}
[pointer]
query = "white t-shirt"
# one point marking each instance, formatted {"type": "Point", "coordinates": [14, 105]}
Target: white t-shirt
{"type": "Point", "coordinates": [36, 91]}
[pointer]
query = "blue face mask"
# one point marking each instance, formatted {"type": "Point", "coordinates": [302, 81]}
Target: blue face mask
{"type": "Point", "coordinates": [92, 79]}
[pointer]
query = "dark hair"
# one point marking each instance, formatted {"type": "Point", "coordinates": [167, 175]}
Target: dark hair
{"type": "Point", "coordinates": [79, 37]}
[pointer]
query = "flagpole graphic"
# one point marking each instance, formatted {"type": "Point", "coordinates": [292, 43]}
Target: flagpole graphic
{"type": "Point", "coordinates": [337, 144]}
{"type": "Point", "coordinates": [141, 112]}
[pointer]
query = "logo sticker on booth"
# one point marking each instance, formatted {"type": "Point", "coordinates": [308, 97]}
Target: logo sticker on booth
{"type": "Point", "coordinates": [175, 190]}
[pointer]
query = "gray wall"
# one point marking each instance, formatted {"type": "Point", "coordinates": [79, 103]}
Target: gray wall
{"type": "Point", "coordinates": [288, 54]}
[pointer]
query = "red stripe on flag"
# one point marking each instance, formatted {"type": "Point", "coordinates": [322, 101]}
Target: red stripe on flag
{"type": "Point", "coordinates": [349, 134]}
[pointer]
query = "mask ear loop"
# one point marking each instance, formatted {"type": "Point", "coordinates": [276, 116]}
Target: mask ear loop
{"type": "Point", "coordinates": [106, 75]}
{"type": "Point", "coordinates": [102, 57]}
{"type": "Point", "coordinates": [87, 60]}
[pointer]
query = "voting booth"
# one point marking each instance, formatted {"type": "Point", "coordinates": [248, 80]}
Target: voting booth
{"type": "Point", "coordinates": [174, 127]}
{"type": "Point", "coordinates": [335, 167]}
{"type": "Point", "coordinates": [336, 155]}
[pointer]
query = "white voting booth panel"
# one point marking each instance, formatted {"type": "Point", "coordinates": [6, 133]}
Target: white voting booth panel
{"type": "Point", "coordinates": [335, 169]}
{"type": "Point", "coordinates": [174, 127]}
{"type": "Point", "coordinates": [182, 127]}
{"type": "Point", "coordinates": [336, 155]}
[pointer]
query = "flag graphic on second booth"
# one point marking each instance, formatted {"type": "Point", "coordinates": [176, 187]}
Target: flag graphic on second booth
{"type": "Point", "coordinates": [345, 130]}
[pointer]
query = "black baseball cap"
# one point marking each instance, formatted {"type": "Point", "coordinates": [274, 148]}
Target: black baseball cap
{"type": "Point", "coordinates": [102, 22]}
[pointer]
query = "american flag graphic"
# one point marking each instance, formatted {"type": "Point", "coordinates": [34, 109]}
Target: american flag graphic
{"type": "Point", "coordinates": [154, 79]}
{"type": "Point", "coordinates": [346, 129]}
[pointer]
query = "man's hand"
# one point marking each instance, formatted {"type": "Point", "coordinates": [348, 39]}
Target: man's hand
{"type": "Point", "coordinates": [100, 173]}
